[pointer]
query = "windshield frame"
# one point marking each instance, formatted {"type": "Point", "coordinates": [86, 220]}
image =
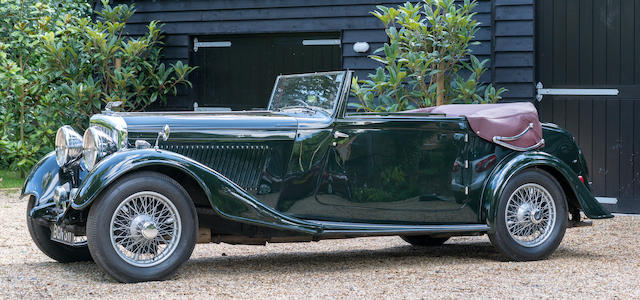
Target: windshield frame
{"type": "Point", "coordinates": [339, 93]}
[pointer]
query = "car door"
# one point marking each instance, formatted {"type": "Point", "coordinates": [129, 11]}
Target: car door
{"type": "Point", "coordinates": [397, 169]}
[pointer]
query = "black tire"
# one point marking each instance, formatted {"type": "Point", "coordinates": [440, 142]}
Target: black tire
{"type": "Point", "coordinates": [424, 240]}
{"type": "Point", "coordinates": [506, 243]}
{"type": "Point", "coordinates": [99, 227]}
{"type": "Point", "coordinates": [41, 236]}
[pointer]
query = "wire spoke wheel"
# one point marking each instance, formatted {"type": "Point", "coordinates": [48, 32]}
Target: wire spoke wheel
{"type": "Point", "coordinates": [145, 229]}
{"type": "Point", "coordinates": [530, 215]}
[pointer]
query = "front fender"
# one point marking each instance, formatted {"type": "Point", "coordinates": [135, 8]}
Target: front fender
{"type": "Point", "coordinates": [227, 199]}
{"type": "Point", "coordinates": [519, 161]}
{"type": "Point", "coordinates": [42, 180]}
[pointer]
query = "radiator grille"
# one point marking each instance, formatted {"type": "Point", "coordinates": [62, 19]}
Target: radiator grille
{"type": "Point", "coordinates": [243, 164]}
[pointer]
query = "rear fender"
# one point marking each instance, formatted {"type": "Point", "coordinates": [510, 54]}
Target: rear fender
{"type": "Point", "coordinates": [226, 198]}
{"type": "Point", "coordinates": [519, 161]}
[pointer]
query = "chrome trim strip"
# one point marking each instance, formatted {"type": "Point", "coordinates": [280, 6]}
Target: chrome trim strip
{"type": "Point", "coordinates": [344, 228]}
{"type": "Point", "coordinates": [190, 112]}
{"type": "Point", "coordinates": [607, 200]}
{"type": "Point", "coordinates": [626, 215]}
{"type": "Point", "coordinates": [155, 128]}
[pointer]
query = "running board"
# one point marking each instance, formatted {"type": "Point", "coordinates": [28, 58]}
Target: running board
{"type": "Point", "coordinates": [365, 229]}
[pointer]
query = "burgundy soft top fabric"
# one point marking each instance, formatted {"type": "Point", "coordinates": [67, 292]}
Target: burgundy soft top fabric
{"type": "Point", "coordinates": [489, 120]}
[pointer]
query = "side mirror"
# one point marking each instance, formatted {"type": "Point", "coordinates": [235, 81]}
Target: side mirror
{"type": "Point", "coordinates": [164, 134]}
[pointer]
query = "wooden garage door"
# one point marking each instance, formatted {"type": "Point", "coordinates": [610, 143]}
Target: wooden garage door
{"type": "Point", "coordinates": [239, 71]}
{"type": "Point", "coordinates": [595, 44]}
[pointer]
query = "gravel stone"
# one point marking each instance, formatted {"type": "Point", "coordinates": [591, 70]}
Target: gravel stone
{"type": "Point", "coordinates": [602, 261]}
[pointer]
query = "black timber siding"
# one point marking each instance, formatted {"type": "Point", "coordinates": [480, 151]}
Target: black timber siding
{"type": "Point", "coordinates": [513, 48]}
{"type": "Point", "coordinates": [507, 39]}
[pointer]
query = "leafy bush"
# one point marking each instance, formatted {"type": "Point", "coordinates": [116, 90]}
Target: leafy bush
{"type": "Point", "coordinates": [58, 66]}
{"type": "Point", "coordinates": [427, 53]}
{"type": "Point", "coordinates": [23, 85]}
{"type": "Point", "coordinates": [96, 64]}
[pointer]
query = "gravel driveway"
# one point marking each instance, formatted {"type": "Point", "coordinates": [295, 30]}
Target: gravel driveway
{"type": "Point", "coordinates": [602, 261]}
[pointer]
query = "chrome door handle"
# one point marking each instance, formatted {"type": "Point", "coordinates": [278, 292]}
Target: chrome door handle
{"type": "Point", "coordinates": [340, 135]}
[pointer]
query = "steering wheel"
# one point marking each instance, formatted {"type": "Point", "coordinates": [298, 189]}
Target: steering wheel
{"type": "Point", "coordinates": [312, 108]}
{"type": "Point", "coordinates": [302, 102]}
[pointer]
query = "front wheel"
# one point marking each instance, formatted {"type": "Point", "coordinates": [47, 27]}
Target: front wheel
{"type": "Point", "coordinates": [532, 217]}
{"type": "Point", "coordinates": [143, 228]}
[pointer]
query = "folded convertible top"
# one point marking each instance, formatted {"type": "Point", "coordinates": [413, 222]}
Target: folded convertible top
{"type": "Point", "coordinates": [513, 125]}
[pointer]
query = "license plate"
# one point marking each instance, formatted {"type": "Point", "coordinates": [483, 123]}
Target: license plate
{"type": "Point", "coordinates": [60, 235]}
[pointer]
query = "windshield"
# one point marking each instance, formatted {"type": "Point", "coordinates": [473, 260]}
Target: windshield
{"type": "Point", "coordinates": [311, 93]}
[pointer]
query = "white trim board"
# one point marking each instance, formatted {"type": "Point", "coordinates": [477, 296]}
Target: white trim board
{"type": "Point", "coordinates": [607, 200]}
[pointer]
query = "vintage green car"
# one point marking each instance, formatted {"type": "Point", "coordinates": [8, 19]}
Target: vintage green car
{"type": "Point", "coordinates": [139, 190]}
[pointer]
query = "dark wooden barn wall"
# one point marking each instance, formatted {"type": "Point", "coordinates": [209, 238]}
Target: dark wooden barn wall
{"type": "Point", "coordinates": [507, 39]}
{"type": "Point", "coordinates": [513, 48]}
{"type": "Point", "coordinates": [596, 44]}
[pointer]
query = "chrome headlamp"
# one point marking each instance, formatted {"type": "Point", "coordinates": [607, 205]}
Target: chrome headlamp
{"type": "Point", "coordinates": [68, 145]}
{"type": "Point", "coordinates": [107, 134]}
{"type": "Point", "coordinates": [113, 126]}
{"type": "Point", "coordinates": [96, 145]}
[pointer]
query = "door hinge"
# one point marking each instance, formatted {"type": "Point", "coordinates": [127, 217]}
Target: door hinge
{"type": "Point", "coordinates": [322, 42]}
{"type": "Point", "coordinates": [220, 44]}
{"type": "Point", "coordinates": [541, 91]}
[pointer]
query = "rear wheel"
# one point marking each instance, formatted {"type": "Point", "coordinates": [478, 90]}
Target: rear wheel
{"type": "Point", "coordinates": [41, 236]}
{"type": "Point", "coordinates": [532, 216]}
{"type": "Point", "coordinates": [424, 240]}
{"type": "Point", "coordinates": [144, 227]}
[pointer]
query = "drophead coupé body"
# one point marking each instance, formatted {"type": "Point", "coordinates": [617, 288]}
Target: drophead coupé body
{"type": "Point", "coordinates": [137, 191]}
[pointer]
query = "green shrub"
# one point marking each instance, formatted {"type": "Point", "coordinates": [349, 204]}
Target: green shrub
{"type": "Point", "coordinates": [96, 64]}
{"type": "Point", "coordinates": [58, 66]}
{"type": "Point", "coordinates": [23, 85]}
{"type": "Point", "coordinates": [423, 62]}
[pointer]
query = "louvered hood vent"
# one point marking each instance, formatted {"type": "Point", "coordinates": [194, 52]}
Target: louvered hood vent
{"type": "Point", "coordinates": [243, 164]}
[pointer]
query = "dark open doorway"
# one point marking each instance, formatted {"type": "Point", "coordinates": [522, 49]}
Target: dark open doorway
{"type": "Point", "coordinates": [238, 71]}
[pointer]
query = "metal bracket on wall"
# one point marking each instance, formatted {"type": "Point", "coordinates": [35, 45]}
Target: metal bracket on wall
{"type": "Point", "coordinates": [321, 42]}
{"type": "Point", "coordinates": [573, 92]}
{"type": "Point", "coordinates": [221, 44]}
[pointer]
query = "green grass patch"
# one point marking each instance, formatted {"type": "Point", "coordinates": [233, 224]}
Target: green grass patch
{"type": "Point", "coordinates": [10, 179]}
